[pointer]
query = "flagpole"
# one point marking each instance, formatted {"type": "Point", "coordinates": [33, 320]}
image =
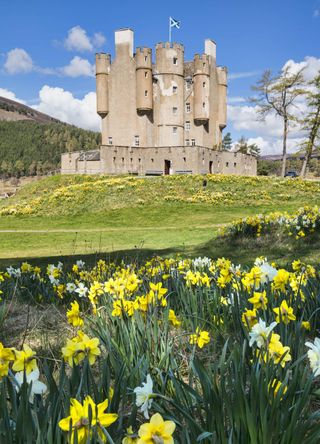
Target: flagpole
{"type": "Point", "coordinates": [170, 29]}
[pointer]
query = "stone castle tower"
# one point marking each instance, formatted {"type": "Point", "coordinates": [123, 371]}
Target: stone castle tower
{"type": "Point", "coordinates": [169, 103]}
{"type": "Point", "coordinates": [159, 115]}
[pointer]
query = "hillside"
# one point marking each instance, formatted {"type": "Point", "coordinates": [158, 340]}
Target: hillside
{"type": "Point", "coordinates": [14, 111]}
{"type": "Point", "coordinates": [76, 215]}
{"type": "Point", "coordinates": [31, 143]}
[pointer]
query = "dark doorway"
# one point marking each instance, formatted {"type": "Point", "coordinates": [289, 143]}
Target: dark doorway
{"type": "Point", "coordinates": [210, 166]}
{"type": "Point", "coordinates": [167, 167]}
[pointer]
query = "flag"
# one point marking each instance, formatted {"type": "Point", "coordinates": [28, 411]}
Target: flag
{"type": "Point", "coordinates": [174, 23]}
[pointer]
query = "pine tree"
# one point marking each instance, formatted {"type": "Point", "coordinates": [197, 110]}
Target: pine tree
{"type": "Point", "coordinates": [227, 142]}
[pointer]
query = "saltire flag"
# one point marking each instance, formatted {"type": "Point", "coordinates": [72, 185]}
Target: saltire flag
{"type": "Point", "coordinates": [174, 23]}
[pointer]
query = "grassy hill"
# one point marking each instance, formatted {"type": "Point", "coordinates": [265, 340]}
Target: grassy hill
{"type": "Point", "coordinates": [90, 215]}
{"type": "Point", "coordinates": [31, 142]}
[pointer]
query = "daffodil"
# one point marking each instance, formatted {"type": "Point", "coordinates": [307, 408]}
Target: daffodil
{"type": "Point", "coordinates": [314, 356]}
{"type": "Point", "coordinates": [157, 431]}
{"type": "Point", "coordinates": [78, 422]}
{"type": "Point", "coordinates": [200, 337]}
{"type": "Point", "coordinates": [284, 313]}
{"type": "Point", "coordinates": [25, 360]}
{"type": "Point", "coordinates": [275, 385]}
{"type": "Point", "coordinates": [249, 318]}
{"type": "Point", "coordinates": [259, 300]}
{"type": "Point", "coordinates": [173, 318]}
{"type": "Point", "coordinates": [144, 396]}
{"type": "Point", "coordinates": [73, 315]}
{"type": "Point", "coordinates": [37, 387]}
{"type": "Point", "coordinates": [260, 333]}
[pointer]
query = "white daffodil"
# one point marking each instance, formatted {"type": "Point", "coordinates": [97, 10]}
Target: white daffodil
{"type": "Point", "coordinates": [37, 387]}
{"type": "Point", "coordinates": [260, 333]}
{"type": "Point", "coordinates": [81, 290]}
{"type": "Point", "coordinates": [268, 272]}
{"type": "Point", "coordinates": [71, 287]}
{"type": "Point", "coordinates": [14, 272]}
{"type": "Point", "coordinates": [80, 264]}
{"type": "Point", "coordinates": [144, 396]}
{"type": "Point", "coordinates": [314, 356]}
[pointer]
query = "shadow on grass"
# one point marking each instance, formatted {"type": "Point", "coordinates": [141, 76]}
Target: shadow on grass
{"type": "Point", "coordinates": [281, 249]}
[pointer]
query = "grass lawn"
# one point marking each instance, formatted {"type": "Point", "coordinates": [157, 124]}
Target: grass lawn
{"type": "Point", "coordinates": [74, 216]}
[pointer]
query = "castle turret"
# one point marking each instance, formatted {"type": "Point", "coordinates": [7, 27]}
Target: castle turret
{"type": "Point", "coordinates": [201, 88]}
{"type": "Point", "coordinates": [222, 89]}
{"type": "Point", "coordinates": [169, 72]}
{"type": "Point", "coordinates": [102, 73]}
{"type": "Point", "coordinates": [144, 87]}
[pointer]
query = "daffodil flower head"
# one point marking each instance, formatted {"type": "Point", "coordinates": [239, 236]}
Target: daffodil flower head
{"type": "Point", "coordinates": [260, 333]}
{"type": "Point", "coordinates": [144, 396]}
{"type": "Point", "coordinates": [157, 431]}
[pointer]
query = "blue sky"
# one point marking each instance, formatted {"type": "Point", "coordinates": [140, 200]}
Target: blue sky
{"type": "Point", "coordinates": [251, 36]}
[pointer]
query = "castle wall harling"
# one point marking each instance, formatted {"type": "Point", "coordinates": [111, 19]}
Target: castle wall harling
{"type": "Point", "coordinates": [162, 116]}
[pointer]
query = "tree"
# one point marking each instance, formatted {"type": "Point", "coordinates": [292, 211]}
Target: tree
{"type": "Point", "coordinates": [311, 122]}
{"type": "Point", "coordinates": [227, 142]}
{"type": "Point", "coordinates": [242, 146]}
{"type": "Point", "coordinates": [277, 94]}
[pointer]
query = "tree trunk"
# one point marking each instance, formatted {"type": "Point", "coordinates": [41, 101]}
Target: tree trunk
{"type": "Point", "coordinates": [311, 143]}
{"type": "Point", "coordinates": [284, 150]}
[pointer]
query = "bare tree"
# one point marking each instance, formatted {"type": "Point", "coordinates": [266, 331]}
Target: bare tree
{"type": "Point", "coordinates": [311, 122]}
{"type": "Point", "coordinates": [277, 94]}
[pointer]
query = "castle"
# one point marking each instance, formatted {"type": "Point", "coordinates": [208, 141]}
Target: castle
{"type": "Point", "coordinates": [159, 118]}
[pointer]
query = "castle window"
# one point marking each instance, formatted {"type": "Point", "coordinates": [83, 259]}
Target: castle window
{"type": "Point", "coordinates": [227, 164]}
{"type": "Point", "coordinates": [174, 129]}
{"type": "Point", "coordinates": [174, 110]}
{"type": "Point", "coordinates": [110, 140]}
{"type": "Point", "coordinates": [136, 140]}
{"type": "Point", "coordinates": [184, 159]}
{"type": "Point", "coordinates": [139, 160]}
{"type": "Point", "coordinates": [146, 74]}
{"type": "Point", "coordinates": [152, 160]}
{"type": "Point", "coordinates": [174, 89]}
{"type": "Point", "coordinates": [188, 107]}
{"type": "Point", "coordinates": [145, 58]}
{"type": "Point", "coordinates": [187, 127]}
{"type": "Point", "coordinates": [204, 64]}
{"type": "Point", "coordinates": [122, 159]}
{"type": "Point", "coordinates": [146, 93]}
{"type": "Point", "coordinates": [187, 142]}
{"type": "Point", "coordinates": [175, 60]}
{"type": "Point", "coordinates": [114, 159]}
{"type": "Point", "coordinates": [203, 104]}
{"type": "Point", "coordinates": [204, 84]}
{"type": "Point", "coordinates": [193, 142]}
{"type": "Point", "coordinates": [235, 164]}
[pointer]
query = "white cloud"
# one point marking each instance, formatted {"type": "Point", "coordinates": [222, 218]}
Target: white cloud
{"type": "Point", "coordinates": [78, 67]}
{"type": "Point", "coordinates": [10, 95]}
{"type": "Point", "coordinates": [242, 75]}
{"type": "Point", "coordinates": [236, 99]}
{"type": "Point", "coordinates": [78, 40]}
{"type": "Point", "coordinates": [64, 106]}
{"type": "Point", "coordinates": [310, 66]}
{"type": "Point", "coordinates": [18, 60]}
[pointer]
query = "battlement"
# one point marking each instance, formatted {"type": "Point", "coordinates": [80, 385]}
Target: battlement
{"type": "Point", "coordinates": [222, 73]}
{"type": "Point", "coordinates": [168, 45]}
{"type": "Point", "coordinates": [201, 64]}
{"type": "Point", "coordinates": [103, 62]}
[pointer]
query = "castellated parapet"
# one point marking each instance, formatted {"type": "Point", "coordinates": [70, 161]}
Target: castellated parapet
{"type": "Point", "coordinates": [161, 114]}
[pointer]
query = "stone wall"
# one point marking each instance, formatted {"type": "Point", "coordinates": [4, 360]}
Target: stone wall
{"type": "Point", "coordinates": [159, 161]}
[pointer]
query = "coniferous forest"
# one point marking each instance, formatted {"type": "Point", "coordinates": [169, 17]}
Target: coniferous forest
{"type": "Point", "coordinates": [29, 148]}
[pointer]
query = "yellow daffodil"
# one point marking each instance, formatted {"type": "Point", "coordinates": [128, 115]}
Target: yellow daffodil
{"type": "Point", "coordinates": [259, 300]}
{"type": "Point", "coordinates": [249, 318]}
{"type": "Point", "coordinates": [79, 347]}
{"type": "Point", "coordinates": [284, 313]}
{"type": "Point", "coordinates": [73, 315]}
{"type": "Point", "coordinates": [281, 279]}
{"type": "Point", "coordinates": [201, 338]}
{"type": "Point", "coordinates": [24, 360]}
{"type": "Point", "coordinates": [157, 431]}
{"type": "Point", "coordinates": [173, 318]}
{"type": "Point", "coordinates": [78, 422]}
{"type": "Point", "coordinates": [306, 325]}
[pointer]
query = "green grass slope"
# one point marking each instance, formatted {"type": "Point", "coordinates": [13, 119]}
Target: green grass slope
{"type": "Point", "coordinates": [77, 215]}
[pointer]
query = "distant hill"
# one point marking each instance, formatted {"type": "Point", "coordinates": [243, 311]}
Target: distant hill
{"type": "Point", "coordinates": [13, 111]}
{"type": "Point", "coordinates": [31, 142]}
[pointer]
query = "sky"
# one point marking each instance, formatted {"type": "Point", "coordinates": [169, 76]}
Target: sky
{"type": "Point", "coordinates": [47, 51]}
